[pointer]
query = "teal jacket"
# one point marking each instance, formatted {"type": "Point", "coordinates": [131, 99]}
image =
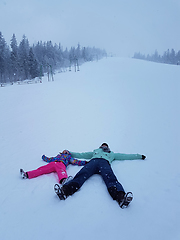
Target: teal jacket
{"type": "Point", "coordinates": [99, 153]}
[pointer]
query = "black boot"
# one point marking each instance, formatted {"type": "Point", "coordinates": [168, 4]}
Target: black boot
{"type": "Point", "coordinates": [24, 174]}
{"type": "Point", "coordinates": [115, 194]}
{"type": "Point", "coordinates": [128, 197]}
{"type": "Point", "coordinates": [120, 197]}
{"type": "Point", "coordinates": [59, 192]}
{"type": "Point", "coordinates": [70, 188]}
{"type": "Point", "coordinates": [63, 191]}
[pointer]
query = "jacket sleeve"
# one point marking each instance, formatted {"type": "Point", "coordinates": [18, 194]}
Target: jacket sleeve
{"type": "Point", "coordinates": [123, 156]}
{"type": "Point", "coordinates": [47, 159]}
{"type": "Point", "coordinates": [74, 161]}
{"type": "Point", "coordinates": [84, 155]}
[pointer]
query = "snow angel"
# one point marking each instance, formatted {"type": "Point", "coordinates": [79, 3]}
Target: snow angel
{"type": "Point", "coordinates": [101, 159]}
{"type": "Point", "coordinates": [56, 164]}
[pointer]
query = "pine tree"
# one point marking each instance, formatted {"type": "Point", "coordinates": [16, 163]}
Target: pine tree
{"type": "Point", "coordinates": [2, 58]}
{"type": "Point", "coordinates": [14, 58]}
{"type": "Point", "coordinates": [172, 57]}
{"type": "Point", "coordinates": [33, 65]}
{"type": "Point", "coordinates": [178, 58]}
{"type": "Point", "coordinates": [23, 52]}
{"type": "Point", "coordinates": [24, 62]}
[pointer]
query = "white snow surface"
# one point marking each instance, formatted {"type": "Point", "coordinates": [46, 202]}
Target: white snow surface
{"type": "Point", "coordinates": [132, 105]}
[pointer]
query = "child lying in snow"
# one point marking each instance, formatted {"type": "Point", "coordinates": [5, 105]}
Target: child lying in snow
{"type": "Point", "coordinates": [56, 164]}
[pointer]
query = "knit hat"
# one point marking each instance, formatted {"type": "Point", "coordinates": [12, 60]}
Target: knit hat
{"type": "Point", "coordinates": [105, 144]}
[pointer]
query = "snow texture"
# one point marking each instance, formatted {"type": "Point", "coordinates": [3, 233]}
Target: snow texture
{"type": "Point", "coordinates": [132, 105]}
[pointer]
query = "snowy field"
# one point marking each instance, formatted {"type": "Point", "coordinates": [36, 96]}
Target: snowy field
{"type": "Point", "coordinates": [131, 104]}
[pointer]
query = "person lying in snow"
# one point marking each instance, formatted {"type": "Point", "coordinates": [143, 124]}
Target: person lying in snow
{"type": "Point", "coordinates": [56, 164]}
{"type": "Point", "coordinates": [101, 159]}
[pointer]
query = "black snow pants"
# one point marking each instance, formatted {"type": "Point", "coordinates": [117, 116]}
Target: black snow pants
{"type": "Point", "coordinates": [95, 166]}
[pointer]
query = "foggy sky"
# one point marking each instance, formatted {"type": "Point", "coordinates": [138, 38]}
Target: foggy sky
{"type": "Point", "coordinates": [121, 27]}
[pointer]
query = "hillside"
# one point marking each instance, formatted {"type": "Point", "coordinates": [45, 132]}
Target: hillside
{"type": "Point", "coordinates": [132, 105]}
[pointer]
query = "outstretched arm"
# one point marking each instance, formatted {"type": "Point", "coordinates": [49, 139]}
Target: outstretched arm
{"type": "Point", "coordinates": [47, 159]}
{"type": "Point", "coordinates": [78, 162]}
{"type": "Point", "coordinates": [84, 155]}
{"type": "Point", "coordinates": [123, 156]}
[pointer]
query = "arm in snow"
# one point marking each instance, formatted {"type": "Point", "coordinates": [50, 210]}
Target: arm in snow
{"type": "Point", "coordinates": [122, 156]}
{"type": "Point", "coordinates": [84, 155]}
{"type": "Point", "coordinates": [77, 162]}
{"type": "Point", "coordinates": [47, 159]}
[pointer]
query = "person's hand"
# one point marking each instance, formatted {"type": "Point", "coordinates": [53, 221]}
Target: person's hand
{"type": "Point", "coordinates": [143, 157]}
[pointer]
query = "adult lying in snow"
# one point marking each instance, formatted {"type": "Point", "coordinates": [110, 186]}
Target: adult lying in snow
{"type": "Point", "coordinates": [101, 159]}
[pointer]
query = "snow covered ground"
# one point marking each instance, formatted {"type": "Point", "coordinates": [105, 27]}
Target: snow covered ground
{"type": "Point", "coordinates": [131, 104]}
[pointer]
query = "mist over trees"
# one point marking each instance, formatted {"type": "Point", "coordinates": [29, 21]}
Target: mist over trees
{"type": "Point", "coordinates": [169, 57]}
{"type": "Point", "coordinates": [21, 62]}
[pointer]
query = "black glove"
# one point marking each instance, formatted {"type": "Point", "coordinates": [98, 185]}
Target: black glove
{"type": "Point", "coordinates": [143, 157]}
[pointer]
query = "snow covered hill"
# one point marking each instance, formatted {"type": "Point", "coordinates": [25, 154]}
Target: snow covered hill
{"type": "Point", "coordinates": [131, 104]}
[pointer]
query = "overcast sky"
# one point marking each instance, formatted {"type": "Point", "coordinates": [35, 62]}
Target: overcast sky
{"type": "Point", "coordinates": [118, 26]}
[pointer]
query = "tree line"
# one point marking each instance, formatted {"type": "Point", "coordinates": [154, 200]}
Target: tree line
{"type": "Point", "coordinates": [21, 62]}
{"type": "Point", "coordinates": [169, 57]}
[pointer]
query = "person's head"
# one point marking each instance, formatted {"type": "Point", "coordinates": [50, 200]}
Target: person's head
{"type": "Point", "coordinates": [65, 152]}
{"type": "Point", "coordinates": [104, 145]}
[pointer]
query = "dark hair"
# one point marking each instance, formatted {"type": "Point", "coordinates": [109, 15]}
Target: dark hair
{"type": "Point", "coordinates": [105, 144]}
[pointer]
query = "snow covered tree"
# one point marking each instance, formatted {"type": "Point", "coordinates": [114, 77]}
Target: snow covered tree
{"type": "Point", "coordinates": [24, 62]}
{"type": "Point", "coordinates": [23, 52]}
{"type": "Point", "coordinates": [172, 57]}
{"type": "Point", "coordinates": [14, 58]}
{"type": "Point", "coordinates": [3, 49]}
{"type": "Point", "coordinates": [33, 65]}
{"type": "Point", "coordinates": [178, 58]}
{"type": "Point", "coordinates": [78, 51]}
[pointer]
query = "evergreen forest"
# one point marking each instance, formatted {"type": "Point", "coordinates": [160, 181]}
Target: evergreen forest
{"type": "Point", "coordinates": [168, 57]}
{"type": "Point", "coordinates": [19, 62]}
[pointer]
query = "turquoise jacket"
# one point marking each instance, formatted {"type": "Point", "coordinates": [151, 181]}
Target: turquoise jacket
{"type": "Point", "coordinates": [99, 153]}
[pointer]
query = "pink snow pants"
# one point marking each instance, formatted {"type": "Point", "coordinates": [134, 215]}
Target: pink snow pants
{"type": "Point", "coordinates": [57, 167]}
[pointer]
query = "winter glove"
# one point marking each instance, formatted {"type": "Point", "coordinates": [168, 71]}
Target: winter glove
{"type": "Point", "coordinates": [143, 157]}
{"type": "Point", "coordinates": [43, 157]}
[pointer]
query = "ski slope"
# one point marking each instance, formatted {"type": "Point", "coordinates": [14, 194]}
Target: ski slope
{"type": "Point", "coordinates": [132, 105]}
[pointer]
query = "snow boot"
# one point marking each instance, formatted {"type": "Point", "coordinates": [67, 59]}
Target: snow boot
{"type": "Point", "coordinates": [114, 193]}
{"type": "Point", "coordinates": [66, 180]}
{"type": "Point", "coordinates": [58, 190]}
{"type": "Point", "coordinates": [119, 196]}
{"type": "Point", "coordinates": [24, 175]}
{"type": "Point", "coordinates": [66, 190]}
{"type": "Point", "coordinates": [128, 197]}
